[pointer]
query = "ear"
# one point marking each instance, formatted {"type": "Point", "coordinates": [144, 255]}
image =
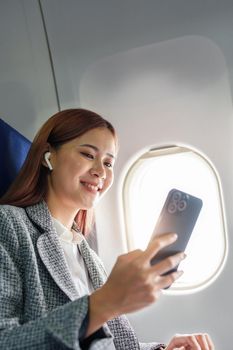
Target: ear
{"type": "Point", "coordinates": [47, 160]}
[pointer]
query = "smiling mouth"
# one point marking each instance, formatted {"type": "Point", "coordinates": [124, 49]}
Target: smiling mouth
{"type": "Point", "coordinates": [90, 187]}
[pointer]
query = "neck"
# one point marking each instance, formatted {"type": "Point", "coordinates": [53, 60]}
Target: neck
{"type": "Point", "coordinates": [61, 211]}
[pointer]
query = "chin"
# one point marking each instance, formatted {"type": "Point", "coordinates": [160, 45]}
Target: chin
{"type": "Point", "coordinates": [87, 206]}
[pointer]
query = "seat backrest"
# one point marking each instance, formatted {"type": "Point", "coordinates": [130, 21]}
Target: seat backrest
{"type": "Point", "coordinates": [13, 151]}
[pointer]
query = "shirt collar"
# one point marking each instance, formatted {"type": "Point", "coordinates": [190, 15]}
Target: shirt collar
{"type": "Point", "coordinates": [65, 234]}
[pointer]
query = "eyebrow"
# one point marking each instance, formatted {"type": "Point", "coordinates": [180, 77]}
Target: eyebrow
{"type": "Point", "coordinates": [96, 149]}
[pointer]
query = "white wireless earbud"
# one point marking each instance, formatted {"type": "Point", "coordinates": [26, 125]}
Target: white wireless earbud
{"type": "Point", "coordinates": [46, 157]}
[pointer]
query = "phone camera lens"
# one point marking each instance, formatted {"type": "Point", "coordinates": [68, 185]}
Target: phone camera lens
{"type": "Point", "coordinates": [176, 196]}
{"type": "Point", "coordinates": [182, 205]}
{"type": "Point", "coordinates": [172, 207]}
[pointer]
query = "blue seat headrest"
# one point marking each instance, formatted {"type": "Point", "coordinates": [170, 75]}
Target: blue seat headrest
{"type": "Point", "coordinates": [14, 148]}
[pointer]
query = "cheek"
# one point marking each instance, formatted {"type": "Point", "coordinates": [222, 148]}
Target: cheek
{"type": "Point", "coordinates": [109, 181]}
{"type": "Point", "coordinates": [67, 172]}
{"type": "Point", "coordinates": [69, 166]}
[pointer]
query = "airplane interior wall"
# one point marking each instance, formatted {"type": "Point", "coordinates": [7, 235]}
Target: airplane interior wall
{"type": "Point", "coordinates": [162, 72]}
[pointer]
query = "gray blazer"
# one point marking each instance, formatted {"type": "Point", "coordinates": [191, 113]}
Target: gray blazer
{"type": "Point", "coordinates": [39, 304]}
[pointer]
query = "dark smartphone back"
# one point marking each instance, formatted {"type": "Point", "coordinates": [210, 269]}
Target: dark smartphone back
{"type": "Point", "coordinates": [179, 215]}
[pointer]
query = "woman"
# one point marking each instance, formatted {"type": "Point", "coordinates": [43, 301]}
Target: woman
{"type": "Point", "coordinates": [53, 288]}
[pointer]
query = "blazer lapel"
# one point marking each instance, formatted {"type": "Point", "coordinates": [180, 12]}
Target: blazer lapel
{"type": "Point", "coordinates": [50, 249]}
{"type": "Point", "coordinates": [95, 269]}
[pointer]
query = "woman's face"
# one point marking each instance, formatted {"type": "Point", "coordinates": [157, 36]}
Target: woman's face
{"type": "Point", "coordinates": [83, 169]}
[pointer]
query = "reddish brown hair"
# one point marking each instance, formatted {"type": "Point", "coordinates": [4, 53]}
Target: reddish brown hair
{"type": "Point", "coordinates": [30, 186]}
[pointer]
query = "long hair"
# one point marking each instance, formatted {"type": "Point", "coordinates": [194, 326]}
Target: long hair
{"type": "Point", "coordinates": [30, 186]}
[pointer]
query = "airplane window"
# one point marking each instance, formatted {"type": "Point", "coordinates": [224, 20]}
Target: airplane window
{"type": "Point", "coordinates": [145, 188]}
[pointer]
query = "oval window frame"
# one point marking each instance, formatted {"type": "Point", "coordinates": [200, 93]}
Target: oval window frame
{"type": "Point", "coordinates": [169, 150]}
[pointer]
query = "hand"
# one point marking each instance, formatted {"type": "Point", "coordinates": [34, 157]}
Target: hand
{"type": "Point", "coordinates": [200, 341]}
{"type": "Point", "coordinates": [134, 283]}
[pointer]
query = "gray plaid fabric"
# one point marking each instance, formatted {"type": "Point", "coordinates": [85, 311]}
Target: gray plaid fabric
{"type": "Point", "coordinates": [39, 305]}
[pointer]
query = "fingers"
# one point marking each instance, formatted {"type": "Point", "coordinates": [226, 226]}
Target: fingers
{"type": "Point", "coordinates": [202, 341]}
{"type": "Point", "coordinates": [205, 341]}
{"type": "Point", "coordinates": [183, 340]}
{"type": "Point", "coordinates": [191, 341]}
{"type": "Point", "coordinates": [157, 244]}
{"type": "Point", "coordinates": [168, 263]}
{"type": "Point", "coordinates": [209, 342]}
{"type": "Point", "coordinates": [165, 281]}
{"type": "Point", "coordinates": [140, 260]}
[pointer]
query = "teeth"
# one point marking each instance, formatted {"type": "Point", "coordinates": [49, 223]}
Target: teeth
{"type": "Point", "coordinates": [94, 188]}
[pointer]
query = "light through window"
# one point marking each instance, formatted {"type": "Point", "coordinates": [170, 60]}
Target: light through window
{"type": "Point", "coordinates": [145, 189]}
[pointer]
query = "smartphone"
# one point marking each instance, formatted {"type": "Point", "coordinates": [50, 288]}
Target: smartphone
{"type": "Point", "coordinates": [179, 215]}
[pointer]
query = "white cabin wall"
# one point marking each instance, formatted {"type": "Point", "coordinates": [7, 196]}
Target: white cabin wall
{"type": "Point", "coordinates": [92, 31]}
{"type": "Point", "coordinates": [82, 32]}
{"type": "Point", "coordinates": [27, 93]}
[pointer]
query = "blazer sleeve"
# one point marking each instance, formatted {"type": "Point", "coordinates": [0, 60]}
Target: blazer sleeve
{"type": "Point", "coordinates": [58, 329]}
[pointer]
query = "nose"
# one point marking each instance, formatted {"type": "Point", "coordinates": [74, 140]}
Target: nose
{"type": "Point", "coordinates": [98, 170]}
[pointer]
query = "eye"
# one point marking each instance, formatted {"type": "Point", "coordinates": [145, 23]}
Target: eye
{"type": "Point", "coordinates": [87, 155]}
{"type": "Point", "coordinates": [108, 164]}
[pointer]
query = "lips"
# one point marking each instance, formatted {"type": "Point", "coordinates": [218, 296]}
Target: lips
{"type": "Point", "coordinates": [92, 186]}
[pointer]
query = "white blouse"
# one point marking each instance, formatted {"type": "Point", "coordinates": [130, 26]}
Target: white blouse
{"type": "Point", "coordinates": [70, 241]}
